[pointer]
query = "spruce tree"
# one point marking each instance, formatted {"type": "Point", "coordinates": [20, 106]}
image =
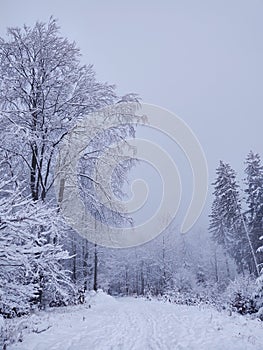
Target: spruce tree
{"type": "Point", "coordinates": [254, 199]}
{"type": "Point", "coordinates": [226, 223]}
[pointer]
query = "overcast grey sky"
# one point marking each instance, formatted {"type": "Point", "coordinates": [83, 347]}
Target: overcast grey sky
{"type": "Point", "coordinates": [201, 59]}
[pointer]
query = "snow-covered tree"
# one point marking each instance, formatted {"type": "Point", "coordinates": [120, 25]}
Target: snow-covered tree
{"type": "Point", "coordinates": [43, 90]}
{"type": "Point", "coordinates": [226, 221]}
{"type": "Point", "coordinates": [225, 207]}
{"type": "Point", "coordinates": [30, 264]}
{"type": "Point", "coordinates": [254, 191]}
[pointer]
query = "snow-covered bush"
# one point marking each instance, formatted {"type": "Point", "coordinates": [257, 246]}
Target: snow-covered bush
{"type": "Point", "coordinates": [238, 296]}
{"type": "Point", "coordinates": [184, 280]}
{"type": "Point", "coordinates": [258, 297]}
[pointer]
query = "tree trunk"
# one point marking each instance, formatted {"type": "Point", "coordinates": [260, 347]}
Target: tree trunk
{"type": "Point", "coordinates": [227, 264]}
{"type": "Point", "coordinates": [251, 246]}
{"type": "Point", "coordinates": [95, 279]}
{"type": "Point", "coordinates": [85, 264]}
{"type": "Point", "coordinates": [216, 267]}
{"type": "Point", "coordinates": [74, 260]}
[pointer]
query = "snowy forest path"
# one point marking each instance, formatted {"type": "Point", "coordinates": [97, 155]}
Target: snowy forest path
{"type": "Point", "coordinates": [138, 324]}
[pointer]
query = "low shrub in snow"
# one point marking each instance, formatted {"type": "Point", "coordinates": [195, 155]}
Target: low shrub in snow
{"type": "Point", "coordinates": [239, 295]}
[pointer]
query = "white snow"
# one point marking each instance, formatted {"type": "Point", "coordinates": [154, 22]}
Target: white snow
{"type": "Point", "coordinates": [138, 324]}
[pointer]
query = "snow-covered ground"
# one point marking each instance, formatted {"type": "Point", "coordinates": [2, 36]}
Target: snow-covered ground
{"type": "Point", "coordinates": [138, 324]}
